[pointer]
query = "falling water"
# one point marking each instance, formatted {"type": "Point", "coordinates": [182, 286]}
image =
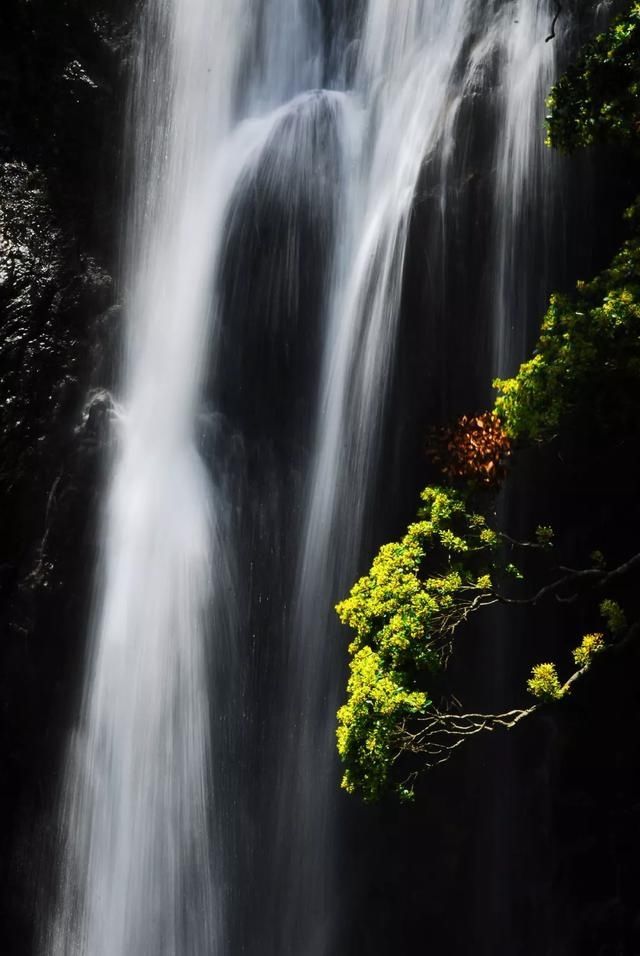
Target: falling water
{"type": "Point", "coordinates": [139, 866]}
{"type": "Point", "coordinates": [267, 240]}
{"type": "Point", "coordinates": [526, 176]}
{"type": "Point", "coordinates": [418, 64]}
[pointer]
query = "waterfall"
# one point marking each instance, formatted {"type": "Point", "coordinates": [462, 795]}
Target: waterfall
{"type": "Point", "coordinates": [140, 863]}
{"type": "Point", "coordinates": [526, 176]}
{"type": "Point", "coordinates": [281, 149]}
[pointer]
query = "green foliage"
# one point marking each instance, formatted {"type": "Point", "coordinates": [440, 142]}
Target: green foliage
{"type": "Point", "coordinates": [403, 614]}
{"type": "Point", "coordinates": [587, 356]}
{"type": "Point", "coordinates": [598, 98]}
{"type": "Point", "coordinates": [514, 572]}
{"type": "Point", "coordinates": [591, 645]}
{"type": "Point", "coordinates": [377, 704]}
{"type": "Point", "coordinates": [614, 617]}
{"type": "Point", "coordinates": [544, 683]}
{"type": "Point", "coordinates": [544, 536]}
{"type": "Point", "coordinates": [585, 367]}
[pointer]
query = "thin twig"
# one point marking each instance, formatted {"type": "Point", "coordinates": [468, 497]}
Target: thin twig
{"type": "Point", "coordinates": [439, 734]}
{"type": "Point", "coordinates": [530, 545]}
{"type": "Point", "coordinates": [554, 22]}
{"type": "Point", "coordinates": [599, 575]}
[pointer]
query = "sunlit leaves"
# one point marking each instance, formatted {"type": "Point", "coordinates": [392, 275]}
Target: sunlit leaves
{"type": "Point", "coordinates": [544, 683]}
{"type": "Point", "coordinates": [613, 616]}
{"type": "Point", "coordinates": [587, 358]}
{"type": "Point", "coordinates": [403, 614]}
{"type": "Point", "coordinates": [598, 98]}
{"type": "Point", "coordinates": [591, 645]}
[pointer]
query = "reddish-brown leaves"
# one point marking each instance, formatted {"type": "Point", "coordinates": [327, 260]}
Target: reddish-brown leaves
{"type": "Point", "coordinates": [475, 448]}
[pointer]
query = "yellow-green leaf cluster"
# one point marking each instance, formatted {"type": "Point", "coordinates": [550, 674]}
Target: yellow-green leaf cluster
{"type": "Point", "coordinates": [544, 536]}
{"type": "Point", "coordinates": [402, 614]}
{"type": "Point", "coordinates": [586, 359]}
{"type": "Point", "coordinates": [377, 704]}
{"type": "Point", "coordinates": [544, 683]}
{"type": "Point", "coordinates": [591, 645]}
{"type": "Point", "coordinates": [614, 617]}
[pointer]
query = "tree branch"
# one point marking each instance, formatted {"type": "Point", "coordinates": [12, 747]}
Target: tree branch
{"type": "Point", "coordinates": [443, 629]}
{"type": "Point", "coordinates": [438, 735]}
{"type": "Point", "coordinates": [527, 545]}
{"type": "Point", "coordinates": [600, 576]}
{"type": "Point", "coordinates": [554, 22]}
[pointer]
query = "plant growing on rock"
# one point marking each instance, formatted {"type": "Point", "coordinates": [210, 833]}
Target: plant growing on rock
{"type": "Point", "coordinates": [454, 561]}
{"type": "Point", "coordinates": [405, 615]}
{"type": "Point", "coordinates": [587, 359]}
{"type": "Point", "coordinates": [598, 98]}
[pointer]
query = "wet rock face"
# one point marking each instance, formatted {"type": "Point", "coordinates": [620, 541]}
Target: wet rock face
{"type": "Point", "coordinates": [61, 93]}
{"type": "Point", "coordinates": [55, 306]}
{"type": "Point", "coordinates": [49, 291]}
{"type": "Point", "coordinates": [61, 73]}
{"type": "Point", "coordinates": [62, 69]}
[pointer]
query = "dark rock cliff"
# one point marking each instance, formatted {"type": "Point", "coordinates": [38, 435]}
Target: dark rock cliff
{"type": "Point", "coordinates": [61, 100]}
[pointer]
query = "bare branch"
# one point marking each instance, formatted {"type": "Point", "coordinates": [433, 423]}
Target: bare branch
{"type": "Point", "coordinates": [554, 587]}
{"type": "Point", "coordinates": [621, 569]}
{"type": "Point", "coordinates": [530, 545]}
{"type": "Point", "coordinates": [554, 22]}
{"type": "Point", "coordinates": [441, 637]}
{"type": "Point", "coordinates": [599, 576]}
{"type": "Point", "coordinates": [438, 735]}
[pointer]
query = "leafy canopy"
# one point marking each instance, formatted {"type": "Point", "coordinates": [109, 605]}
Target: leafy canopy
{"type": "Point", "coordinates": [405, 611]}
{"type": "Point", "coordinates": [403, 614]}
{"type": "Point", "coordinates": [587, 356]}
{"type": "Point", "coordinates": [598, 98]}
{"type": "Point", "coordinates": [544, 683]}
{"type": "Point", "coordinates": [591, 645]}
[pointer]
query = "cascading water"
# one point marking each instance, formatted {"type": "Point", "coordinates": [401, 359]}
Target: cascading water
{"type": "Point", "coordinates": [525, 178]}
{"type": "Point", "coordinates": [267, 243]}
{"type": "Point", "coordinates": [139, 861]}
{"type": "Point", "coordinates": [417, 64]}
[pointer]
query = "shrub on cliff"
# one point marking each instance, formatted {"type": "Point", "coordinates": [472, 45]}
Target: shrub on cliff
{"type": "Point", "coordinates": [598, 98]}
{"type": "Point", "coordinates": [587, 359]}
{"type": "Point", "coordinates": [453, 561]}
